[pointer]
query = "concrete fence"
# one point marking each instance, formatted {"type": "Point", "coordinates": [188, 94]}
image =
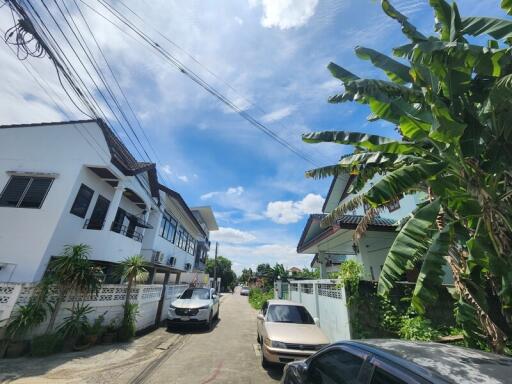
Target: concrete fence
{"type": "Point", "coordinates": [325, 300]}
{"type": "Point", "coordinates": [108, 302]}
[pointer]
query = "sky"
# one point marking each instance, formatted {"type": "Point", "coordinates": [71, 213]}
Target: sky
{"type": "Point", "coordinates": [267, 56]}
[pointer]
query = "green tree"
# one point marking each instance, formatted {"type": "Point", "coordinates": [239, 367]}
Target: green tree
{"type": "Point", "coordinates": [451, 101]}
{"type": "Point", "coordinates": [246, 275]}
{"type": "Point", "coordinates": [72, 273]}
{"type": "Point", "coordinates": [133, 269]}
{"type": "Point", "coordinates": [224, 271]}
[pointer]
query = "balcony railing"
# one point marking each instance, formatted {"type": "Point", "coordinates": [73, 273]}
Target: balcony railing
{"type": "Point", "coordinates": [93, 224]}
{"type": "Point", "coordinates": [126, 231]}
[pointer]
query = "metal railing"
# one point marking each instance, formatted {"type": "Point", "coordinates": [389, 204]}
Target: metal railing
{"type": "Point", "coordinates": [126, 231]}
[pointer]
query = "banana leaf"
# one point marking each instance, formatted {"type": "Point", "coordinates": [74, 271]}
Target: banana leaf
{"type": "Point", "coordinates": [408, 29]}
{"type": "Point", "coordinates": [396, 71]}
{"type": "Point", "coordinates": [496, 28]}
{"type": "Point", "coordinates": [409, 240]}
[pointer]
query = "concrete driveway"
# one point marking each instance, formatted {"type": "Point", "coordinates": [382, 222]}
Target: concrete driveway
{"type": "Point", "coordinates": [226, 354]}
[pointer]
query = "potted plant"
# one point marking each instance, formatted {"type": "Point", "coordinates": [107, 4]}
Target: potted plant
{"type": "Point", "coordinates": [75, 326]}
{"type": "Point", "coordinates": [95, 330]}
{"type": "Point", "coordinates": [110, 333]}
{"type": "Point", "coordinates": [25, 318]}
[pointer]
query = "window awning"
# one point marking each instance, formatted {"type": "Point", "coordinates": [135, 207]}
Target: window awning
{"type": "Point", "coordinates": [139, 222]}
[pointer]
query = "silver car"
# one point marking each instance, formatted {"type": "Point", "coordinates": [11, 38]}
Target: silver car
{"type": "Point", "coordinates": [195, 306]}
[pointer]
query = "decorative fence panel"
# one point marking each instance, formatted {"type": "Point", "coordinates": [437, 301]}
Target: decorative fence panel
{"type": "Point", "coordinates": [325, 300]}
{"type": "Point", "coordinates": [108, 302]}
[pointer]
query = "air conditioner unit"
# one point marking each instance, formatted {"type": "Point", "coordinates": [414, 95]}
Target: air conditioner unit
{"type": "Point", "coordinates": [172, 261]}
{"type": "Point", "coordinates": [158, 257]}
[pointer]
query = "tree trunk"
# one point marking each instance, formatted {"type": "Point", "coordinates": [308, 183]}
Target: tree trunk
{"type": "Point", "coordinates": [55, 311]}
{"type": "Point", "coordinates": [495, 335]}
{"type": "Point", "coordinates": [128, 292]}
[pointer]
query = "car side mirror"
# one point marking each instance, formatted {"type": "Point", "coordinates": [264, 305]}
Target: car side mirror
{"type": "Point", "coordinates": [317, 321]}
{"type": "Point", "coordinates": [260, 316]}
{"type": "Point", "coordinates": [214, 297]}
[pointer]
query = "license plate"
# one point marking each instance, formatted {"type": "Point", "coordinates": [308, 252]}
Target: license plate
{"type": "Point", "coordinates": [185, 318]}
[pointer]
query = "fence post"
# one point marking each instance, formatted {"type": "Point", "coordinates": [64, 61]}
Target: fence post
{"type": "Point", "coordinates": [317, 303]}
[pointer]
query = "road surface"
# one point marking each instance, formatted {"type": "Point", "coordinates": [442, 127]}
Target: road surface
{"type": "Point", "coordinates": [226, 354]}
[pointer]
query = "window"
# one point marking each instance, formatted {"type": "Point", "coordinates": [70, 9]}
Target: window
{"type": "Point", "coordinates": [335, 366]}
{"type": "Point", "coordinates": [25, 192]}
{"type": "Point", "coordinates": [168, 227]}
{"type": "Point", "coordinates": [99, 213]}
{"type": "Point", "coordinates": [380, 376]}
{"type": "Point", "coordinates": [196, 293]}
{"type": "Point", "coordinates": [289, 314]}
{"type": "Point", "coordinates": [82, 200]}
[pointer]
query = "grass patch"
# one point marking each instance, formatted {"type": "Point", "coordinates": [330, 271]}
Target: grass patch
{"type": "Point", "coordinates": [258, 297]}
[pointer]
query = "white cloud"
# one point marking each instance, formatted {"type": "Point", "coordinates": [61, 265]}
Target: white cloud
{"type": "Point", "coordinates": [238, 20]}
{"type": "Point", "coordinates": [278, 114]}
{"type": "Point", "coordinates": [166, 168]}
{"type": "Point", "coordinates": [232, 236]}
{"type": "Point", "coordinates": [231, 191]}
{"type": "Point", "coordinates": [183, 178]}
{"type": "Point", "coordinates": [285, 14]}
{"type": "Point", "coordinates": [287, 212]}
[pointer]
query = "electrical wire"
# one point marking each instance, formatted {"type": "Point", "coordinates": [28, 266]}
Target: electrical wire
{"type": "Point", "coordinates": [196, 78]}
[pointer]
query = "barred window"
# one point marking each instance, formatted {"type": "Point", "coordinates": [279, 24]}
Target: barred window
{"type": "Point", "coordinates": [25, 192]}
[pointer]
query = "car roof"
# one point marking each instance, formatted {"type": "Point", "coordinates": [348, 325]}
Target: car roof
{"type": "Point", "coordinates": [453, 364]}
{"type": "Point", "coordinates": [283, 302]}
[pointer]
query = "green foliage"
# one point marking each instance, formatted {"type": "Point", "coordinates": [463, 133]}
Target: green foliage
{"type": "Point", "coordinates": [450, 100]}
{"type": "Point", "coordinates": [350, 274]}
{"type": "Point", "coordinates": [258, 297]}
{"type": "Point", "coordinates": [26, 318]}
{"type": "Point", "coordinates": [133, 269]}
{"type": "Point", "coordinates": [76, 323]}
{"type": "Point", "coordinates": [129, 324]}
{"type": "Point", "coordinates": [97, 328]}
{"type": "Point", "coordinates": [224, 271]}
{"type": "Point", "coordinates": [416, 327]}
{"type": "Point", "coordinates": [46, 344]}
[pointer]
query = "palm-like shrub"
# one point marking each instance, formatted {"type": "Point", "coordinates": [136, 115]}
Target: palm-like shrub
{"type": "Point", "coordinates": [73, 273]}
{"type": "Point", "coordinates": [451, 101]}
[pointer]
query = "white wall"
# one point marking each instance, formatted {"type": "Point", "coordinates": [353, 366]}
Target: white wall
{"type": "Point", "coordinates": [327, 303]}
{"type": "Point", "coordinates": [25, 233]}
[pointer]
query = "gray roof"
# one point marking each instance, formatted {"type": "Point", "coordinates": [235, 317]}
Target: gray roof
{"type": "Point", "coordinates": [356, 219]}
{"type": "Point", "coordinates": [453, 364]}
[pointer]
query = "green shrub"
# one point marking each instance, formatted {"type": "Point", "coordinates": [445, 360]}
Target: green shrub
{"type": "Point", "coordinates": [76, 324]}
{"type": "Point", "coordinates": [416, 327]}
{"type": "Point", "coordinates": [128, 326]}
{"type": "Point", "coordinates": [26, 318]}
{"type": "Point", "coordinates": [258, 297]}
{"type": "Point", "coordinates": [46, 344]}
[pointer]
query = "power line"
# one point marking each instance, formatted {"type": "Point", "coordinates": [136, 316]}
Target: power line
{"type": "Point", "coordinates": [196, 78]}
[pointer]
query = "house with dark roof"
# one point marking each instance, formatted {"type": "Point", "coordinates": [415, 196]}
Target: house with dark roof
{"type": "Point", "coordinates": [332, 245]}
{"type": "Point", "coordinates": [76, 182]}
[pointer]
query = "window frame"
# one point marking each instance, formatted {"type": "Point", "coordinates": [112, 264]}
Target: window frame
{"type": "Point", "coordinates": [364, 356]}
{"type": "Point", "coordinates": [21, 198]}
{"type": "Point", "coordinates": [82, 185]}
{"type": "Point", "coordinates": [376, 362]}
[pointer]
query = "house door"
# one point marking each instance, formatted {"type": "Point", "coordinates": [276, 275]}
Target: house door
{"type": "Point", "coordinates": [99, 213]}
{"type": "Point", "coordinates": [119, 220]}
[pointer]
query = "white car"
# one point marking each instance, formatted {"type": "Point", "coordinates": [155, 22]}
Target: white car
{"type": "Point", "coordinates": [194, 306]}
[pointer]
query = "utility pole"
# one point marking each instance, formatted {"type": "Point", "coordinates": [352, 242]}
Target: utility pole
{"type": "Point", "coordinates": [215, 267]}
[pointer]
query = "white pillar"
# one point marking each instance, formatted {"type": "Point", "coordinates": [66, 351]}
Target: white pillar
{"type": "Point", "coordinates": [323, 267]}
{"type": "Point", "coordinates": [112, 208]}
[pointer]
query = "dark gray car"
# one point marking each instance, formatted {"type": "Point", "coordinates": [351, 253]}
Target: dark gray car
{"type": "Point", "coordinates": [389, 361]}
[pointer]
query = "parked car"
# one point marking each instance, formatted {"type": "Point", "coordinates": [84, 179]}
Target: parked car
{"type": "Point", "coordinates": [287, 332]}
{"type": "Point", "coordinates": [194, 306]}
{"type": "Point", "coordinates": [389, 361]}
{"type": "Point", "coordinates": [245, 291]}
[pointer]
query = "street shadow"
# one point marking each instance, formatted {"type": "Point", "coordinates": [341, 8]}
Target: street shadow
{"type": "Point", "coordinates": [187, 329]}
{"type": "Point", "coordinates": [275, 371]}
{"type": "Point", "coordinates": [28, 366]}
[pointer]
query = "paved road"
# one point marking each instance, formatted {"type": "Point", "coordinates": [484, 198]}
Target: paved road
{"type": "Point", "coordinates": [227, 354]}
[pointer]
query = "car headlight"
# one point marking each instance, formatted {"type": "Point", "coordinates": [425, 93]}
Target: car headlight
{"type": "Point", "coordinates": [204, 307]}
{"type": "Point", "coordinates": [172, 307]}
{"type": "Point", "coordinates": [267, 342]}
{"type": "Point", "coordinates": [278, 344]}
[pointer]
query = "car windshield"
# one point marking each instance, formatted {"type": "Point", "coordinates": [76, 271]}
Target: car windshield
{"type": "Point", "coordinates": [289, 314]}
{"type": "Point", "coordinates": [196, 293]}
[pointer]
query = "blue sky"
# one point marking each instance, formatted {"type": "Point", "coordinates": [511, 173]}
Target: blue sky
{"type": "Point", "coordinates": [274, 54]}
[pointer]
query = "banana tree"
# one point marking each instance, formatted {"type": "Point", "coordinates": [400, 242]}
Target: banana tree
{"type": "Point", "coordinates": [451, 101]}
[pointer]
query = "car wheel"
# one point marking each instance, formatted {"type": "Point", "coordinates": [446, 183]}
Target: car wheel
{"type": "Point", "coordinates": [217, 315]}
{"type": "Point", "coordinates": [264, 362]}
{"type": "Point", "coordinates": [258, 338]}
{"type": "Point", "coordinates": [210, 322]}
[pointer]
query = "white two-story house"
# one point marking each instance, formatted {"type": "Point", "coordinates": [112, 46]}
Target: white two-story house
{"type": "Point", "coordinates": [333, 245]}
{"type": "Point", "coordinates": [75, 182]}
